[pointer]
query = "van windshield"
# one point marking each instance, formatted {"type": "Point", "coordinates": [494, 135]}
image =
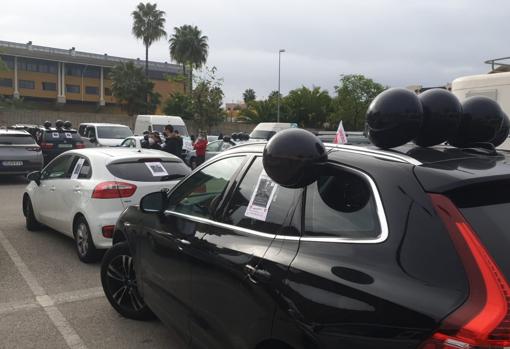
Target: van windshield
{"type": "Point", "coordinates": [181, 128]}
{"type": "Point", "coordinates": [261, 134]}
{"type": "Point", "coordinates": [113, 132]}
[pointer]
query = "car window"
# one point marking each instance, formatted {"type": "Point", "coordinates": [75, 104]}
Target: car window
{"type": "Point", "coordinates": [91, 132]}
{"type": "Point", "coordinates": [10, 139]}
{"type": "Point", "coordinates": [128, 143]}
{"type": "Point", "coordinates": [225, 146]}
{"type": "Point", "coordinates": [81, 168]}
{"type": "Point", "coordinates": [341, 205]}
{"type": "Point", "coordinates": [279, 212]}
{"type": "Point", "coordinates": [149, 170]}
{"type": "Point", "coordinates": [214, 146]}
{"type": "Point", "coordinates": [113, 132]}
{"type": "Point", "coordinates": [198, 195]}
{"type": "Point", "coordinates": [82, 129]}
{"type": "Point", "coordinates": [58, 168]}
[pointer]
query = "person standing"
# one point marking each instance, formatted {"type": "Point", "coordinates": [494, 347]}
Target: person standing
{"type": "Point", "coordinates": [171, 142]}
{"type": "Point", "coordinates": [180, 142]}
{"type": "Point", "coordinates": [200, 147]}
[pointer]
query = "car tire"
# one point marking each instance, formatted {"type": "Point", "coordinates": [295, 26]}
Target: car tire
{"type": "Point", "coordinates": [31, 222]}
{"type": "Point", "coordinates": [83, 242]}
{"type": "Point", "coordinates": [120, 285]}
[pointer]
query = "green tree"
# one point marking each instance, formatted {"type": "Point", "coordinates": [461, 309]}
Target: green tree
{"type": "Point", "coordinates": [249, 96]}
{"type": "Point", "coordinates": [207, 100]}
{"type": "Point", "coordinates": [130, 87]}
{"type": "Point", "coordinates": [178, 104]}
{"type": "Point", "coordinates": [308, 107]}
{"type": "Point", "coordinates": [189, 47]}
{"type": "Point", "coordinates": [353, 96]}
{"type": "Point", "coordinates": [148, 25]}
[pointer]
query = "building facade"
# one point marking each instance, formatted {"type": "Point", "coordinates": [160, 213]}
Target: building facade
{"type": "Point", "coordinates": [69, 76]}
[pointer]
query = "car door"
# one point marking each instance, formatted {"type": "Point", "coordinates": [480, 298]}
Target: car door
{"type": "Point", "coordinates": [169, 243]}
{"type": "Point", "coordinates": [233, 283]}
{"type": "Point", "coordinates": [48, 201]}
{"type": "Point", "coordinates": [213, 149]}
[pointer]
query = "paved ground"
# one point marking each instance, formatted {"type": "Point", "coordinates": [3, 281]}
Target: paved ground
{"type": "Point", "coordinates": [49, 299]}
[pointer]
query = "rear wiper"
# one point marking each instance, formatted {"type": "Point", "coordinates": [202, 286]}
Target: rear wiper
{"type": "Point", "coordinates": [171, 177]}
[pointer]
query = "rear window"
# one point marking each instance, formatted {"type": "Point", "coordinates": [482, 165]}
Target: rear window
{"type": "Point", "coordinates": [262, 134]}
{"type": "Point", "coordinates": [486, 206]}
{"type": "Point", "coordinates": [56, 137]}
{"type": "Point", "coordinates": [6, 139]}
{"type": "Point", "coordinates": [113, 132]}
{"type": "Point", "coordinates": [149, 170]}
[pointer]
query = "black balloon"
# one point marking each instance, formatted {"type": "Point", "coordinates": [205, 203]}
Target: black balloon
{"type": "Point", "coordinates": [480, 122]}
{"type": "Point", "coordinates": [503, 132]}
{"type": "Point", "coordinates": [292, 157]}
{"type": "Point", "coordinates": [394, 118]}
{"type": "Point", "coordinates": [442, 112]}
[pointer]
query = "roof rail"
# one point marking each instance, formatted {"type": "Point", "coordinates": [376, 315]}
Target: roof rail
{"type": "Point", "coordinates": [381, 154]}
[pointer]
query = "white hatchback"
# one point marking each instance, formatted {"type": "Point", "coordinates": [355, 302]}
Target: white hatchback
{"type": "Point", "coordinates": [81, 193]}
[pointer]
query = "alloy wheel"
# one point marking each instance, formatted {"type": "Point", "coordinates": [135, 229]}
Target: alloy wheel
{"type": "Point", "coordinates": [82, 239]}
{"type": "Point", "coordinates": [122, 285]}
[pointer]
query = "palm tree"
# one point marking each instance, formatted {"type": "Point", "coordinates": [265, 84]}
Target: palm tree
{"type": "Point", "coordinates": [189, 47]}
{"type": "Point", "coordinates": [148, 25]}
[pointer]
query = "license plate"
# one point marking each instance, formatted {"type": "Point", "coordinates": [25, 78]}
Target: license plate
{"type": "Point", "coordinates": [12, 163]}
{"type": "Point", "coordinates": [65, 145]}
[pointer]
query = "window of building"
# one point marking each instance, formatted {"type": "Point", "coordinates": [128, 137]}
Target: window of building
{"type": "Point", "coordinates": [92, 90]}
{"type": "Point", "coordinates": [73, 69]}
{"type": "Point", "coordinates": [9, 61]}
{"type": "Point", "coordinates": [28, 84]}
{"type": "Point", "coordinates": [73, 88]}
{"type": "Point", "coordinates": [341, 204]}
{"type": "Point", "coordinates": [107, 91]}
{"type": "Point", "coordinates": [157, 75]}
{"type": "Point", "coordinates": [5, 82]}
{"type": "Point", "coordinates": [281, 208]}
{"type": "Point", "coordinates": [91, 72]}
{"type": "Point", "coordinates": [32, 66]}
{"type": "Point", "coordinates": [106, 73]}
{"type": "Point", "coordinates": [49, 86]}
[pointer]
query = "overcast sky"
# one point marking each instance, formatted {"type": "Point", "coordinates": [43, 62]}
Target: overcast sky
{"type": "Point", "coordinates": [395, 42]}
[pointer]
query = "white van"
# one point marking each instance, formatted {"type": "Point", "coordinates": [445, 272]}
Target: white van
{"type": "Point", "coordinates": [103, 134]}
{"type": "Point", "coordinates": [266, 130]}
{"type": "Point", "coordinates": [157, 123]}
{"type": "Point", "coordinates": [495, 86]}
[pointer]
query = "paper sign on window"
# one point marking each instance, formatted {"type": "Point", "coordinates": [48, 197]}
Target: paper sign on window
{"type": "Point", "coordinates": [55, 135]}
{"type": "Point", "coordinates": [68, 135]}
{"type": "Point", "coordinates": [77, 168]}
{"type": "Point", "coordinates": [156, 169]}
{"type": "Point", "coordinates": [261, 198]}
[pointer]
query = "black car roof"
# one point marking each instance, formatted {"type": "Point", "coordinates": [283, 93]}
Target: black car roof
{"type": "Point", "coordinates": [438, 168]}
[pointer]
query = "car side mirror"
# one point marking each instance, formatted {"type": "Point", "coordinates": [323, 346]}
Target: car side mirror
{"type": "Point", "coordinates": [154, 202]}
{"type": "Point", "coordinates": [93, 139]}
{"type": "Point", "coordinates": [34, 176]}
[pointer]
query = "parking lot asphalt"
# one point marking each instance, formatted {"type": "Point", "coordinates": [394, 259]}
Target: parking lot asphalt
{"type": "Point", "coordinates": [49, 299]}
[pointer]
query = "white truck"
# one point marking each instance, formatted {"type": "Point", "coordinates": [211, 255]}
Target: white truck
{"type": "Point", "coordinates": [157, 123]}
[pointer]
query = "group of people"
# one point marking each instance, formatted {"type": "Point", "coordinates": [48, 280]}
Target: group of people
{"type": "Point", "coordinates": [173, 143]}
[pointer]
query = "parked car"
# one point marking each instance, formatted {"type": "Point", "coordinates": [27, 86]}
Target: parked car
{"type": "Point", "coordinates": [132, 142]}
{"type": "Point", "coordinates": [19, 153]}
{"type": "Point", "coordinates": [354, 248]}
{"type": "Point", "coordinates": [82, 192]}
{"type": "Point", "coordinates": [57, 140]}
{"type": "Point", "coordinates": [104, 134]}
{"type": "Point", "coordinates": [213, 149]}
{"type": "Point", "coordinates": [266, 130]}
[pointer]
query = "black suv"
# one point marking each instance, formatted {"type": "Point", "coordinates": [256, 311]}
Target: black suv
{"type": "Point", "coordinates": [56, 140]}
{"type": "Point", "coordinates": [358, 248]}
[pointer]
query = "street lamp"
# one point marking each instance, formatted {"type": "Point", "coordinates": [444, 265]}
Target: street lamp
{"type": "Point", "coordinates": [279, 68]}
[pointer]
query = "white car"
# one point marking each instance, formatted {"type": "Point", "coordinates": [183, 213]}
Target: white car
{"type": "Point", "coordinates": [81, 193]}
{"type": "Point", "coordinates": [132, 142]}
{"type": "Point", "coordinates": [103, 135]}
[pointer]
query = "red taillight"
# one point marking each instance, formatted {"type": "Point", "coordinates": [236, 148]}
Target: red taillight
{"type": "Point", "coordinates": [108, 231]}
{"type": "Point", "coordinates": [483, 321]}
{"type": "Point", "coordinates": [113, 190]}
{"type": "Point", "coordinates": [45, 145]}
{"type": "Point", "coordinates": [79, 145]}
{"type": "Point", "coordinates": [33, 149]}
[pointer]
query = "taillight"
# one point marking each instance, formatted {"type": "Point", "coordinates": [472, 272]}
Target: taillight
{"type": "Point", "coordinates": [33, 149]}
{"type": "Point", "coordinates": [45, 145]}
{"type": "Point", "coordinates": [113, 190]}
{"type": "Point", "coordinates": [108, 231]}
{"type": "Point", "coordinates": [483, 321]}
{"type": "Point", "coordinates": [79, 145]}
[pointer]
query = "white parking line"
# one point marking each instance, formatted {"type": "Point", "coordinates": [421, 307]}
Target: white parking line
{"type": "Point", "coordinates": [71, 337]}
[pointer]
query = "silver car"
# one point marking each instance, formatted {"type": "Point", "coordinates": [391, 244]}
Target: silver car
{"type": "Point", "coordinates": [213, 148]}
{"type": "Point", "coordinates": [19, 153]}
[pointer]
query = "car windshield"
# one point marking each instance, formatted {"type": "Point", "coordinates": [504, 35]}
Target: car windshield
{"type": "Point", "coordinates": [486, 207]}
{"type": "Point", "coordinates": [9, 139]}
{"type": "Point", "coordinates": [261, 134]}
{"type": "Point", "coordinates": [181, 128]}
{"type": "Point", "coordinates": [113, 132]}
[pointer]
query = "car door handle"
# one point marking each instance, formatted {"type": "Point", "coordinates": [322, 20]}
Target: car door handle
{"type": "Point", "coordinates": [52, 188]}
{"type": "Point", "coordinates": [77, 189]}
{"type": "Point", "coordinates": [184, 241]}
{"type": "Point", "coordinates": [256, 275]}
